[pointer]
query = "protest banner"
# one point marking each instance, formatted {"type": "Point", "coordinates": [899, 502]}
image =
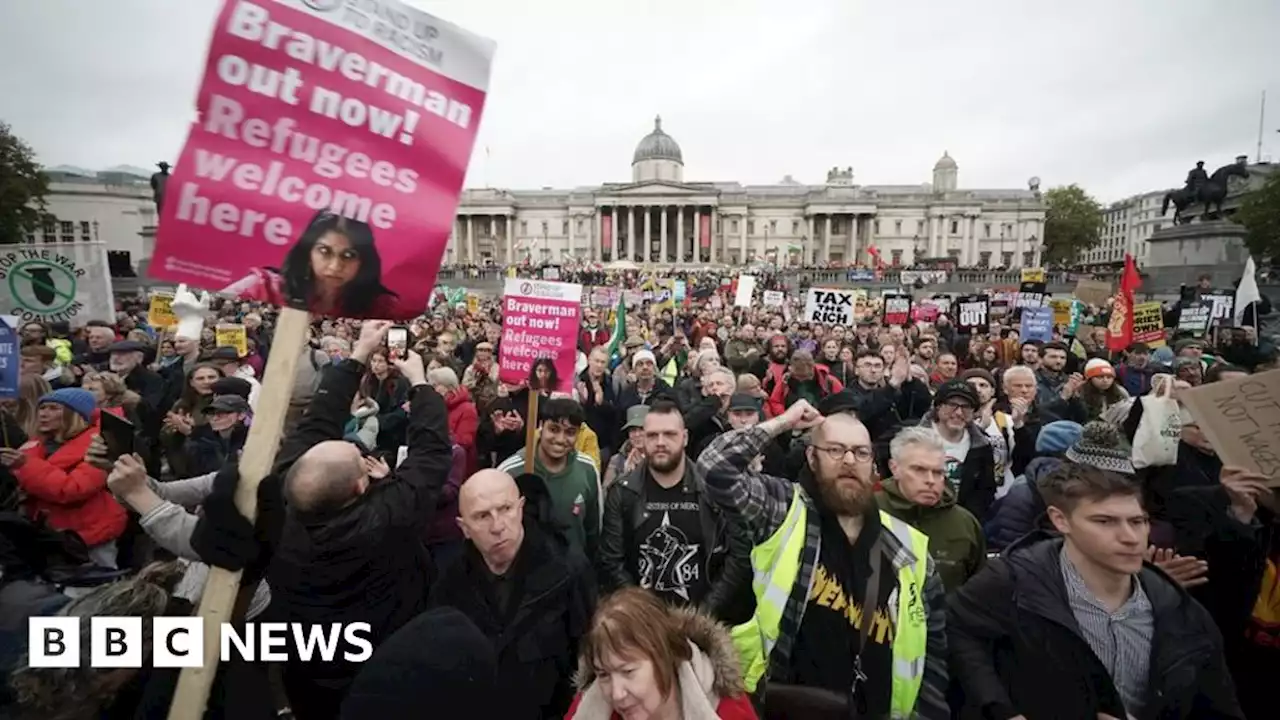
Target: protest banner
{"type": "Point", "coordinates": [66, 282]}
{"type": "Point", "coordinates": [830, 307]}
{"type": "Point", "coordinates": [897, 309]}
{"type": "Point", "coordinates": [1093, 292]}
{"type": "Point", "coordinates": [1241, 419]}
{"type": "Point", "coordinates": [1223, 308]}
{"type": "Point", "coordinates": [159, 311]}
{"type": "Point", "coordinates": [924, 313]}
{"type": "Point", "coordinates": [1148, 324]}
{"type": "Point", "coordinates": [745, 289]}
{"type": "Point", "coordinates": [997, 309]}
{"type": "Point", "coordinates": [773, 298]}
{"type": "Point", "coordinates": [9, 366]}
{"type": "Point", "coordinates": [231, 335]}
{"type": "Point", "coordinates": [1194, 318]}
{"type": "Point", "coordinates": [1033, 275]}
{"type": "Point", "coordinates": [972, 313]}
{"type": "Point", "coordinates": [1061, 311]}
{"type": "Point", "coordinates": [539, 320]}
{"type": "Point", "coordinates": [1037, 324]}
{"type": "Point", "coordinates": [328, 156]}
{"type": "Point", "coordinates": [1030, 295]}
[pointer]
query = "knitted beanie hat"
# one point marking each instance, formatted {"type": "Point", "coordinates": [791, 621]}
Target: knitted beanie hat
{"type": "Point", "coordinates": [1098, 367]}
{"type": "Point", "coordinates": [1103, 447]}
{"type": "Point", "coordinates": [81, 402]}
{"type": "Point", "coordinates": [1057, 437]}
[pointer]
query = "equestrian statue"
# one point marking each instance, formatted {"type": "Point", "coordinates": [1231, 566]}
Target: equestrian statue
{"type": "Point", "coordinates": [1201, 187]}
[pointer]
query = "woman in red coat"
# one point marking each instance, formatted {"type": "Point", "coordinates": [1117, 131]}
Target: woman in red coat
{"type": "Point", "coordinates": [643, 660]}
{"type": "Point", "coordinates": [58, 483]}
{"type": "Point", "coordinates": [464, 419]}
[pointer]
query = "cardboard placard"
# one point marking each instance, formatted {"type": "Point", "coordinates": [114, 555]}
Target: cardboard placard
{"type": "Point", "coordinates": [1148, 324]}
{"type": "Point", "coordinates": [1033, 275]}
{"type": "Point", "coordinates": [160, 312]}
{"type": "Point", "coordinates": [973, 313]}
{"type": "Point", "coordinates": [897, 309]}
{"type": "Point", "coordinates": [1093, 292]}
{"type": "Point", "coordinates": [1195, 318]}
{"type": "Point", "coordinates": [232, 336]}
{"type": "Point", "coordinates": [746, 288]}
{"type": "Point", "coordinates": [1241, 418]}
{"type": "Point", "coordinates": [773, 298]}
{"type": "Point", "coordinates": [830, 306]}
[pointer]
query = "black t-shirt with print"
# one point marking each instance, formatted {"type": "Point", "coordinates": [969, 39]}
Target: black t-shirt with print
{"type": "Point", "coordinates": [672, 552]}
{"type": "Point", "coordinates": [825, 648]}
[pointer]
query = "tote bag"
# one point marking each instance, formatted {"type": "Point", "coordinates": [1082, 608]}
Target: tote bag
{"type": "Point", "coordinates": [1156, 440]}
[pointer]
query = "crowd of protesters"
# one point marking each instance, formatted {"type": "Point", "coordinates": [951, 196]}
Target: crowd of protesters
{"type": "Point", "coordinates": [728, 513]}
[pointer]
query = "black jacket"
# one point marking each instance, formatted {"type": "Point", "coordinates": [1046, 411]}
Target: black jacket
{"type": "Point", "coordinates": [1024, 438]}
{"type": "Point", "coordinates": [703, 420]}
{"type": "Point", "coordinates": [728, 565]}
{"type": "Point", "coordinates": [550, 611]}
{"type": "Point", "coordinates": [364, 562]}
{"type": "Point", "coordinates": [1016, 647]}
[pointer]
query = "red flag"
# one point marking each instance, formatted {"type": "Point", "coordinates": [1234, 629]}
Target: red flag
{"type": "Point", "coordinates": [1120, 328]}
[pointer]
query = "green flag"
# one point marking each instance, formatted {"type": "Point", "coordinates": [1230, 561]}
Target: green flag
{"type": "Point", "coordinates": [619, 336]}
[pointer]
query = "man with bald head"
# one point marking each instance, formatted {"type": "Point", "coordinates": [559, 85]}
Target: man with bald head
{"type": "Point", "coordinates": [527, 589]}
{"type": "Point", "coordinates": [351, 547]}
{"type": "Point", "coordinates": [847, 600]}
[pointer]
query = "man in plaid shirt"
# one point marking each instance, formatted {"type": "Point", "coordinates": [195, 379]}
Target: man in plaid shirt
{"type": "Point", "coordinates": [823, 552]}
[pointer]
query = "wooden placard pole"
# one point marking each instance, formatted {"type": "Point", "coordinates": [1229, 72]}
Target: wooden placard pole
{"type": "Point", "coordinates": [531, 431]}
{"type": "Point", "coordinates": [219, 598]}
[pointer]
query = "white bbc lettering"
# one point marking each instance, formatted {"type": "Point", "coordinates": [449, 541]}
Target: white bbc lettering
{"type": "Point", "coordinates": [177, 642]}
{"type": "Point", "coordinates": [53, 642]}
{"type": "Point", "coordinates": [115, 642]}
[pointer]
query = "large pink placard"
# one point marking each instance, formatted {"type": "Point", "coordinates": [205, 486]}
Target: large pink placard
{"type": "Point", "coordinates": [539, 320]}
{"type": "Point", "coordinates": [328, 155]}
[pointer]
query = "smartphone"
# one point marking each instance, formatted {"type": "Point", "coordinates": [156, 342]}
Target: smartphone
{"type": "Point", "coordinates": [398, 341]}
{"type": "Point", "coordinates": [118, 435]}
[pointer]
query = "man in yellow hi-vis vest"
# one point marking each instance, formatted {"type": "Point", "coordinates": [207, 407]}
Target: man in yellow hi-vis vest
{"type": "Point", "coordinates": [822, 555]}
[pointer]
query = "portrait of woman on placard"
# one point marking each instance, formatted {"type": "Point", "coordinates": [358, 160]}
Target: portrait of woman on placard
{"type": "Point", "coordinates": [334, 265]}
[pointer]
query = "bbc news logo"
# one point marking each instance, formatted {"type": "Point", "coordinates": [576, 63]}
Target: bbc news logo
{"type": "Point", "coordinates": [178, 642]}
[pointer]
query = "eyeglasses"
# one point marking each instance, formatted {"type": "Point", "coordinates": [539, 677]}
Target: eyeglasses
{"type": "Point", "coordinates": [958, 407]}
{"type": "Point", "coordinates": [838, 452]}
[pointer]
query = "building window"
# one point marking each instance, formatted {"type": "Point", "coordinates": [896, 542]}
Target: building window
{"type": "Point", "coordinates": [795, 227]}
{"type": "Point", "coordinates": [897, 257]}
{"type": "Point", "coordinates": [897, 227]}
{"type": "Point", "coordinates": [85, 233]}
{"type": "Point", "coordinates": [1006, 259]}
{"type": "Point", "coordinates": [986, 229]}
{"type": "Point", "coordinates": [955, 227]}
{"type": "Point", "coordinates": [919, 227]}
{"type": "Point", "coordinates": [954, 255]}
{"type": "Point", "coordinates": [1156, 227]}
{"type": "Point", "coordinates": [733, 226]}
{"type": "Point", "coordinates": [544, 228]}
{"type": "Point", "coordinates": [773, 226]}
{"type": "Point", "coordinates": [524, 227]}
{"type": "Point", "coordinates": [984, 259]}
{"type": "Point", "coordinates": [580, 225]}
{"type": "Point", "coordinates": [31, 238]}
{"type": "Point", "coordinates": [68, 227]}
{"type": "Point", "coordinates": [564, 227]}
{"type": "Point", "coordinates": [875, 227]}
{"type": "Point", "coordinates": [1028, 258]}
{"type": "Point", "coordinates": [751, 227]}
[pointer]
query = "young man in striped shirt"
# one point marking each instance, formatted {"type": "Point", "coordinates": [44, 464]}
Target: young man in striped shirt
{"type": "Point", "coordinates": [1077, 625]}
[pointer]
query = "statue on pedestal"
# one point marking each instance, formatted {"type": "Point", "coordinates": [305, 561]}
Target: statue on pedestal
{"type": "Point", "coordinates": [158, 181]}
{"type": "Point", "coordinates": [1201, 187]}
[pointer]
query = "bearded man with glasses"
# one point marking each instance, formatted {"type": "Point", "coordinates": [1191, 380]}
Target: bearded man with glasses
{"type": "Point", "coordinates": [850, 613]}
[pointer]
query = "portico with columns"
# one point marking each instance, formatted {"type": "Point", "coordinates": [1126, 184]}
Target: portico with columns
{"type": "Point", "coordinates": [660, 218]}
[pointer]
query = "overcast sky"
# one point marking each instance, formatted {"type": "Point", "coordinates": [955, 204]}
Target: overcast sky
{"type": "Point", "coordinates": [1119, 96]}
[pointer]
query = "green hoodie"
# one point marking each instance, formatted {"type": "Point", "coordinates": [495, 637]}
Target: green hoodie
{"type": "Point", "coordinates": [956, 542]}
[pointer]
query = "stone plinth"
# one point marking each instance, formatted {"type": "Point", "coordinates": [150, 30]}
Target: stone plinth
{"type": "Point", "coordinates": [1214, 248]}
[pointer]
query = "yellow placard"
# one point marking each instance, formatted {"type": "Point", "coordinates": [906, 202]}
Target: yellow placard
{"type": "Point", "coordinates": [1032, 275]}
{"type": "Point", "coordinates": [160, 313]}
{"type": "Point", "coordinates": [1061, 311]}
{"type": "Point", "coordinates": [1148, 324]}
{"type": "Point", "coordinates": [473, 303]}
{"type": "Point", "coordinates": [232, 336]}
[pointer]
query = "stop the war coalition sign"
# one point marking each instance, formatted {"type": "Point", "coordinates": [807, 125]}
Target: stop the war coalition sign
{"type": "Point", "coordinates": [66, 282]}
{"type": "Point", "coordinates": [330, 150]}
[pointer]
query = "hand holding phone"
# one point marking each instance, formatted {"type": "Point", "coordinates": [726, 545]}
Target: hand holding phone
{"type": "Point", "coordinates": [118, 434]}
{"type": "Point", "coordinates": [398, 342]}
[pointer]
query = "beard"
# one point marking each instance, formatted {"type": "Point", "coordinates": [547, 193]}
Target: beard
{"type": "Point", "coordinates": [843, 495]}
{"type": "Point", "coordinates": [666, 462]}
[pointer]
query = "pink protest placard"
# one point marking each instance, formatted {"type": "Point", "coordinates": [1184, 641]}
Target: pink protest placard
{"type": "Point", "coordinates": [539, 320]}
{"type": "Point", "coordinates": [328, 156]}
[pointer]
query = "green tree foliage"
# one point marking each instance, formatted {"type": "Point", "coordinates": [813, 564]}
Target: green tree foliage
{"type": "Point", "coordinates": [1260, 214]}
{"type": "Point", "coordinates": [1073, 223]}
{"type": "Point", "coordinates": [23, 187]}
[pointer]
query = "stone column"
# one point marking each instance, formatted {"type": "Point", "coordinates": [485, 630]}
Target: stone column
{"type": "Point", "coordinates": [1021, 245]}
{"type": "Point", "coordinates": [648, 234]}
{"type": "Point", "coordinates": [680, 232]}
{"type": "Point", "coordinates": [471, 239]}
{"type": "Point", "coordinates": [572, 220]}
{"type": "Point", "coordinates": [826, 239]}
{"type": "Point", "coordinates": [614, 234]}
{"type": "Point", "coordinates": [743, 259]}
{"type": "Point", "coordinates": [631, 231]}
{"type": "Point", "coordinates": [809, 242]}
{"type": "Point", "coordinates": [933, 235]}
{"type": "Point", "coordinates": [511, 239]}
{"type": "Point", "coordinates": [662, 232]}
{"type": "Point", "coordinates": [716, 243]}
{"type": "Point", "coordinates": [597, 248]}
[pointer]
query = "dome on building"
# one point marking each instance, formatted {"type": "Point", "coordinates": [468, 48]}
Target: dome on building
{"type": "Point", "coordinates": [658, 145]}
{"type": "Point", "coordinates": [945, 162]}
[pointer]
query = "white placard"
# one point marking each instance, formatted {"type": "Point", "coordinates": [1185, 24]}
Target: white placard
{"type": "Point", "coordinates": [773, 298]}
{"type": "Point", "coordinates": [830, 306]}
{"type": "Point", "coordinates": [67, 282]}
{"type": "Point", "coordinates": [746, 288]}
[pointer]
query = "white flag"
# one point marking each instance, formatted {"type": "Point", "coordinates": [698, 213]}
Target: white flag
{"type": "Point", "coordinates": [1247, 292]}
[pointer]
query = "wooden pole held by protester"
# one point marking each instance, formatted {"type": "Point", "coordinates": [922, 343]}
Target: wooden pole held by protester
{"type": "Point", "coordinates": [218, 600]}
{"type": "Point", "coordinates": [531, 431]}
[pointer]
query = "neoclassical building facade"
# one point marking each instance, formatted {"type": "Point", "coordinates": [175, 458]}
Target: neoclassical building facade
{"type": "Point", "coordinates": [659, 217]}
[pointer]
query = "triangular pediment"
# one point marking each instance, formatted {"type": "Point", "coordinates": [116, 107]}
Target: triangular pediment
{"type": "Point", "coordinates": [657, 188]}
